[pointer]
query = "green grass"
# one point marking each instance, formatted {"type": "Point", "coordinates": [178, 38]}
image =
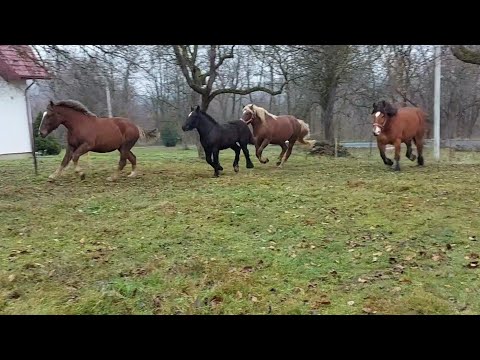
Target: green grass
{"type": "Point", "coordinates": [320, 236]}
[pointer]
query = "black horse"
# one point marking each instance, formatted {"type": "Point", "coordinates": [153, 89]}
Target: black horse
{"type": "Point", "coordinates": [215, 137]}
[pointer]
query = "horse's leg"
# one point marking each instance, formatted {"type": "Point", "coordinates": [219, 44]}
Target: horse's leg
{"type": "Point", "coordinates": [208, 158]}
{"type": "Point", "coordinates": [216, 162]}
{"type": "Point", "coordinates": [381, 148]}
{"type": "Point", "coordinates": [260, 149]}
{"type": "Point", "coordinates": [409, 154]}
{"type": "Point", "coordinates": [236, 148]}
{"type": "Point", "coordinates": [247, 155]}
{"type": "Point", "coordinates": [131, 157]}
{"type": "Point", "coordinates": [398, 143]}
{"type": "Point", "coordinates": [121, 164]}
{"type": "Point", "coordinates": [280, 157]}
{"type": "Point", "coordinates": [419, 144]}
{"type": "Point", "coordinates": [289, 152]}
{"type": "Point", "coordinates": [79, 151]}
{"type": "Point", "coordinates": [133, 160]}
{"type": "Point", "coordinates": [63, 165]}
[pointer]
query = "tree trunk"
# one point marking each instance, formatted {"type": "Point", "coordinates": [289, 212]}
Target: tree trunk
{"type": "Point", "coordinates": [328, 110]}
{"type": "Point", "coordinates": [201, 152]}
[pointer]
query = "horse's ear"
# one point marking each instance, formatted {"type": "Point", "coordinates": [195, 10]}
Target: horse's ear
{"type": "Point", "coordinates": [51, 103]}
{"type": "Point", "coordinates": [384, 103]}
{"type": "Point", "coordinates": [192, 108]}
{"type": "Point", "coordinates": [198, 108]}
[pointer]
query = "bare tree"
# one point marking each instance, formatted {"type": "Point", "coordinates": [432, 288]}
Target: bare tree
{"type": "Point", "coordinates": [200, 67]}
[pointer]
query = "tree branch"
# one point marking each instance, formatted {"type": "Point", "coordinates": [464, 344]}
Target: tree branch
{"type": "Point", "coordinates": [247, 91]}
{"type": "Point", "coordinates": [184, 64]}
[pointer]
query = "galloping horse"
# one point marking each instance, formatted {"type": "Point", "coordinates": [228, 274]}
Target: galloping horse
{"type": "Point", "coordinates": [215, 137]}
{"type": "Point", "coordinates": [394, 126]}
{"type": "Point", "coordinates": [87, 132]}
{"type": "Point", "coordinates": [275, 129]}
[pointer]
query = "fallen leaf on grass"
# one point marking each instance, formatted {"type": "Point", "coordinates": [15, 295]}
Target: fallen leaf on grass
{"type": "Point", "coordinates": [436, 257]}
{"type": "Point", "coordinates": [247, 269]}
{"type": "Point", "coordinates": [350, 303]}
{"type": "Point", "coordinates": [216, 300]}
{"type": "Point", "coordinates": [473, 265]}
{"type": "Point", "coordinates": [360, 280]}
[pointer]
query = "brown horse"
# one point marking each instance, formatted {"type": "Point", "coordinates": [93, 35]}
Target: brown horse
{"type": "Point", "coordinates": [277, 130]}
{"type": "Point", "coordinates": [87, 132]}
{"type": "Point", "coordinates": [394, 126]}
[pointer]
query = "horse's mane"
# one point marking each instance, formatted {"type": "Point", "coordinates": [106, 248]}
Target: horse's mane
{"type": "Point", "coordinates": [211, 119]}
{"type": "Point", "coordinates": [75, 105]}
{"type": "Point", "coordinates": [260, 112]}
{"type": "Point", "coordinates": [386, 108]}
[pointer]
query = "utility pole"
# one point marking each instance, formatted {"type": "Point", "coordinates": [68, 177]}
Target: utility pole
{"type": "Point", "coordinates": [109, 104]}
{"type": "Point", "coordinates": [436, 110]}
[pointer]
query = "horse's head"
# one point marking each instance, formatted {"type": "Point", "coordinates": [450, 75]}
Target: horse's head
{"type": "Point", "coordinates": [192, 119]}
{"type": "Point", "coordinates": [382, 111]}
{"type": "Point", "coordinates": [248, 114]}
{"type": "Point", "coordinates": [50, 121]}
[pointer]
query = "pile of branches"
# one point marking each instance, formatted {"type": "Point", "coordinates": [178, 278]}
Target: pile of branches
{"type": "Point", "coordinates": [324, 148]}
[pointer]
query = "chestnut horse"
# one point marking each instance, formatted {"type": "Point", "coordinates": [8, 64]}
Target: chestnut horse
{"type": "Point", "coordinates": [87, 132]}
{"type": "Point", "coordinates": [393, 126]}
{"type": "Point", "coordinates": [275, 129]}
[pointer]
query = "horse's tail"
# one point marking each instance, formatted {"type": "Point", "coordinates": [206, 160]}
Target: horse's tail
{"type": "Point", "coordinates": [304, 134]}
{"type": "Point", "coordinates": [425, 123]}
{"type": "Point", "coordinates": [148, 135]}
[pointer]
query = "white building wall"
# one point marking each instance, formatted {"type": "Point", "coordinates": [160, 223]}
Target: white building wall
{"type": "Point", "coordinates": [14, 123]}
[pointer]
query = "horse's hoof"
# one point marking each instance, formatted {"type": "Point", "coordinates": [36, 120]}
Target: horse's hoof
{"type": "Point", "coordinates": [51, 179]}
{"type": "Point", "coordinates": [220, 168]}
{"type": "Point", "coordinates": [236, 168]}
{"type": "Point", "coordinates": [250, 166]}
{"type": "Point", "coordinates": [396, 168]}
{"type": "Point", "coordinates": [132, 175]}
{"type": "Point", "coordinates": [413, 158]}
{"type": "Point", "coordinates": [279, 163]}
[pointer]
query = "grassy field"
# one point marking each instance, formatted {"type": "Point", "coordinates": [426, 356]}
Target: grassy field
{"type": "Point", "coordinates": [320, 236]}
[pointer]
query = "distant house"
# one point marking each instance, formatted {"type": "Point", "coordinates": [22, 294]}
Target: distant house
{"type": "Point", "coordinates": [18, 66]}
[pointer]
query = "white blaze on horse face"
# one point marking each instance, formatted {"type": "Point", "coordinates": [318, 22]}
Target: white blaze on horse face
{"type": "Point", "coordinates": [376, 130]}
{"type": "Point", "coordinates": [190, 114]}
{"type": "Point", "coordinates": [377, 114]}
{"type": "Point", "coordinates": [41, 121]}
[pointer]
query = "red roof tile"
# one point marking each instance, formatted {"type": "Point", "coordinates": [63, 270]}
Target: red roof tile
{"type": "Point", "coordinates": [19, 62]}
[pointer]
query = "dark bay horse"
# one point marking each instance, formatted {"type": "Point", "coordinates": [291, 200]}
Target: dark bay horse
{"type": "Point", "coordinates": [277, 130]}
{"type": "Point", "coordinates": [393, 126]}
{"type": "Point", "coordinates": [215, 137]}
{"type": "Point", "coordinates": [87, 132]}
